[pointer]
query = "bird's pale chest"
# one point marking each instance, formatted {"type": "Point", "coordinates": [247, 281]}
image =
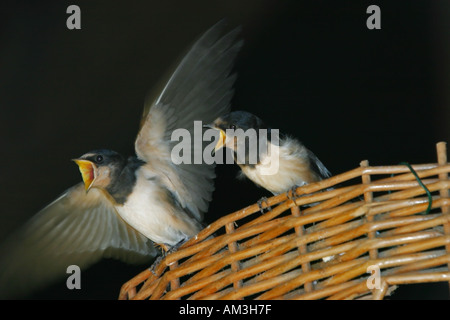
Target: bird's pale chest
{"type": "Point", "coordinates": [150, 211]}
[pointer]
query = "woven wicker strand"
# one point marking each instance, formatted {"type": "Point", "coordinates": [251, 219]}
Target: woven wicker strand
{"type": "Point", "coordinates": [321, 242]}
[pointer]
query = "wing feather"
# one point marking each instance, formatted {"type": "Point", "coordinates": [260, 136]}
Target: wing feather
{"type": "Point", "coordinates": [78, 228]}
{"type": "Point", "coordinates": [200, 89]}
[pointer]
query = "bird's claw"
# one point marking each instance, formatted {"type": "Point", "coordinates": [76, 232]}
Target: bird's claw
{"type": "Point", "coordinates": [155, 264]}
{"type": "Point", "coordinates": [260, 205]}
{"type": "Point", "coordinates": [292, 194]}
{"type": "Point", "coordinates": [164, 253]}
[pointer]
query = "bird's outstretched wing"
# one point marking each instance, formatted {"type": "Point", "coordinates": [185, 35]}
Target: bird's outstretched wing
{"type": "Point", "coordinates": [78, 228]}
{"type": "Point", "coordinates": [200, 89]}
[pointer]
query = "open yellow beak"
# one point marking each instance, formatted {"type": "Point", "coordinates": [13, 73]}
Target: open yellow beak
{"type": "Point", "coordinates": [222, 137]}
{"type": "Point", "coordinates": [221, 141]}
{"type": "Point", "coordinates": [87, 172]}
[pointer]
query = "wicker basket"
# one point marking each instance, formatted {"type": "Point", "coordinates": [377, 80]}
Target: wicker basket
{"type": "Point", "coordinates": [364, 232]}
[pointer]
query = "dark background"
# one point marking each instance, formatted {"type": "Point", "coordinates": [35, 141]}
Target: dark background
{"type": "Point", "coordinates": [310, 68]}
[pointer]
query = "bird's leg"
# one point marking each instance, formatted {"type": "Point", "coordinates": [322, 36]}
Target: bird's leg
{"type": "Point", "coordinates": [164, 247]}
{"type": "Point", "coordinates": [165, 250]}
{"type": "Point", "coordinates": [292, 194]}
{"type": "Point", "coordinates": [260, 203]}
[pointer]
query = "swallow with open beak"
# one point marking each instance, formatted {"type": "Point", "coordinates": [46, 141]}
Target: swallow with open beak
{"type": "Point", "coordinates": [295, 164]}
{"type": "Point", "coordinates": [126, 203]}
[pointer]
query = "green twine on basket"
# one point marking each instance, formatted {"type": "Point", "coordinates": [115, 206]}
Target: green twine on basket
{"type": "Point", "coordinates": [430, 198]}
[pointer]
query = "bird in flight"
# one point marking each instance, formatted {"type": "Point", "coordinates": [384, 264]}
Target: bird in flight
{"type": "Point", "coordinates": [126, 203]}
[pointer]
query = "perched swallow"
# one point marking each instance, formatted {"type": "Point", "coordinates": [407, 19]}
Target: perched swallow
{"type": "Point", "coordinates": [296, 165]}
{"type": "Point", "coordinates": [125, 203]}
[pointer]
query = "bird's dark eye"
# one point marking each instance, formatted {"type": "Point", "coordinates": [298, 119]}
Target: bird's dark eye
{"type": "Point", "coordinates": [99, 159]}
{"type": "Point", "coordinates": [232, 126]}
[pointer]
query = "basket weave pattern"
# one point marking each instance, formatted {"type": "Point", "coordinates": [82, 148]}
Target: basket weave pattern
{"type": "Point", "coordinates": [318, 243]}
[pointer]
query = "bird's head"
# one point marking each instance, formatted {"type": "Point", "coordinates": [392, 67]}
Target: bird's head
{"type": "Point", "coordinates": [98, 167]}
{"type": "Point", "coordinates": [233, 121]}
